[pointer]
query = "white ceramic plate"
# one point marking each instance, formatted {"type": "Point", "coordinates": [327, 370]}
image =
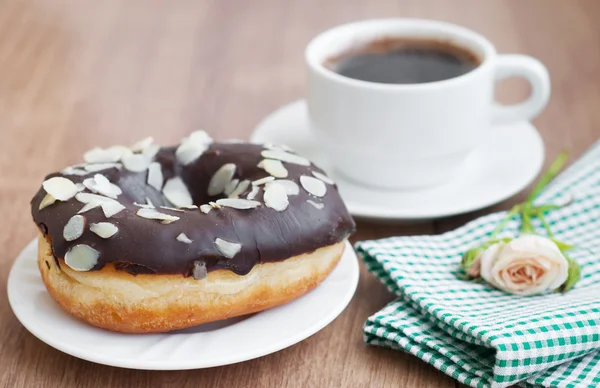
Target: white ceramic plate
{"type": "Point", "coordinates": [505, 164]}
{"type": "Point", "coordinates": [219, 343]}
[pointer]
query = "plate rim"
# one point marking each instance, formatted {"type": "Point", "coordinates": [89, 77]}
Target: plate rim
{"type": "Point", "coordinates": [368, 212]}
{"type": "Point", "coordinates": [90, 356]}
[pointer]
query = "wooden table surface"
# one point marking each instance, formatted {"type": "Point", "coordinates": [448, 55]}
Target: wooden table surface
{"type": "Point", "coordinates": [77, 74]}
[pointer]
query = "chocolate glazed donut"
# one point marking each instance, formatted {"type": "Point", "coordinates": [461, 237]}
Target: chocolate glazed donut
{"type": "Point", "coordinates": [147, 239]}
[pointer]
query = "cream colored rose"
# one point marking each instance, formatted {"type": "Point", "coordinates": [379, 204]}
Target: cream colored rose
{"type": "Point", "coordinates": [527, 265]}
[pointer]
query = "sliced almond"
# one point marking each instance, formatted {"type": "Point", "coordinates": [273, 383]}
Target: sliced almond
{"type": "Point", "coordinates": [274, 168]}
{"type": "Point", "coordinates": [272, 146]}
{"type": "Point", "coordinates": [81, 257]}
{"type": "Point", "coordinates": [275, 197]}
{"type": "Point", "coordinates": [262, 181]}
{"type": "Point", "coordinates": [252, 194]}
{"type": "Point", "coordinates": [144, 205]}
{"type": "Point", "coordinates": [291, 187]}
{"type": "Point", "coordinates": [151, 151]}
{"type": "Point", "coordinates": [60, 188]}
{"type": "Point", "coordinates": [220, 179]}
{"type": "Point", "coordinates": [191, 207]}
{"type": "Point", "coordinates": [99, 184]}
{"type": "Point", "coordinates": [153, 214]}
{"type": "Point", "coordinates": [315, 204]}
{"type": "Point", "coordinates": [199, 271]}
{"type": "Point", "coordinates": [238, 203]}
{"type": "Point", "coordinates": [155, 176]}
{"type": "Point", "coordinates": [240, 188]}
{"type": "Point", "coordinates": [323, 177]}
{"type": "Point", "coordinates": [314, 186]}
{"type": "Point", "coordinates": [105, 155]}
{"type": "Point", "coordinates": [80, 187]}
{"type": "Point", "coordinates": [226, 248]}
{"type": "Point", "coordinates": [104, 229]}
{"type": "Point", "coordinates": [172, 209]}
{"type": "Point", "coordinates": [177, 192]}
{"type": "Point", "coordinates": [284, 156]}
{"type": "Point", "coordinates": [136, 162]}
{"type": "Point", "coordinates": [214, 205]}
{"type": "Point", "coordinates": [74, 228]}
{"type": "Point", "coordinates": [46, 201]}
{"type": "Point", "coordinates": [205, 208]}
{"type": "Point", "coordinates": [192, 147]}
{"type": "Point", "coordinates": [230, 187]}
{"type": "Point", "coordinates": [140, 145]}
{"type": "Point", "coordinates": [183, 238]}
{"type": "Point", "coordinates": [101, 166]}
{"type": "Point", "coordinates": [71, 170]}
{"type": "Point", "coordinates": [111, 208]}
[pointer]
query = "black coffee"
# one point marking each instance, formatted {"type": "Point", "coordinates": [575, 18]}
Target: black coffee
{"type": "Point", "coordinates": [404, 61]}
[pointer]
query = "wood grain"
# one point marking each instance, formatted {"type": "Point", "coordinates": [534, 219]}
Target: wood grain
{"type": "Point", "coordinates": [76, 74]}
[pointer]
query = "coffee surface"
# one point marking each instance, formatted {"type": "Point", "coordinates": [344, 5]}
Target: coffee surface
{"type": "Point", "coordinates": [404, 61]}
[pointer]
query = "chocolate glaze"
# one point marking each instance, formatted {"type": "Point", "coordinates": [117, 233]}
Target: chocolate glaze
{"type": "Point", "coordinates": [147, 246]}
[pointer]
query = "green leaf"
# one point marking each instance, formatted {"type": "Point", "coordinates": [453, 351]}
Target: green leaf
{"type": "Point", "coordinates": [563, 246]}
{"type": "Point", "coordinates": [470, 256]}
{"type": "Point", "coordinates": [574, 273]}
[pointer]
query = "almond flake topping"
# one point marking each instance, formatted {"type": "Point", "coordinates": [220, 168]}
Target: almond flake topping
{"type": "Point", "coordinates": [80, 187]}
{"type": "Point", "coordinates": [226, 248]}
{"type": "Point", "coordinates": [177, 192]}
{"type": "Point", "coordinates": [323, 177]}
{"type": "Point", "coordinates": [155, 176]}
{"type": "Point", "coordinates": [74, 228]}
{"type": "Point", "coordinates": [240, 188]}
{"type": "Point", "coordinates": [105, 155]}
{"type": "Point", "coordinates": [231, 186]}
{"type": "Point", "coordinates": [109, 206]}
{"type": "Point", "coordinates": [172, 209]}
{"type": "Point", "coordinates": [220, 179]}
{"type": "Point", "coordinates": [252, 194]}
{"type": "Point", "coordinates": [273, 167]}
{"type": "Point", "coordinates": [205, 208]}
{"type": "Point", "coordinates": [153, 214]}
{"type": "Point", "coordinates": [60, 188]}
{"type": "Point", "coordinates": [144, 205]}
{"type": "Point", "coordinates": [238, 203]}
{"type": "Point", "coordinates": [136, 162]}
{"type": "Point", "coordinates": [192, 147]}
{"type": "Point", "coordinates": [183, 238]}
{"type": "Point", "coordinates": [141, 145]}
{"type": "Point", "coordinates": [190, 207]}
{"type": "Point", "coordinates": [284, 156]}
{"type": "Point", "coordinates": [315, 204]}
{"type": "Point", "coordinates": [314, 186]}
{"type": "Point", "coordinates": [262, 181]}
{"type": "Point", "coordinates": [291, 187]}
{"type": "Point", "coordinates": [275, 197]}
{"type": "Point", "coordinates": [101, 166]}
{"type": "Point", "coordinates": [46, 201]}
{"type": "Point", "coordinates": [72, 170]}
{"type": "Point", "coordinates": [104, 229]}
{"type": "Point", "coordinates": [99, 184]}
{"type": "Point", "coordinates": [81, 257]}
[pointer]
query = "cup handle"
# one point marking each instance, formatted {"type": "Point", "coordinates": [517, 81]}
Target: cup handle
{"type": "Point", "coordinates": [514, 65]}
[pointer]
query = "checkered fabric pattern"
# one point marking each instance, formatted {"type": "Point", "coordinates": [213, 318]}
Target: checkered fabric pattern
{"type": "Point", "coordinates": [481, 336]}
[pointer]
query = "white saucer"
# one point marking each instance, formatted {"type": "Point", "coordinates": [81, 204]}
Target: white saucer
{"type": "Point", "coordinates": [508, 161]}
{"type": "Point", "coordinates": [219, 343]}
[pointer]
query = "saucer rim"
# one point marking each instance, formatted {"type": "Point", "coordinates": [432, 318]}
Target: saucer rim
{"type": "Point", "coordinates": [382, 213]}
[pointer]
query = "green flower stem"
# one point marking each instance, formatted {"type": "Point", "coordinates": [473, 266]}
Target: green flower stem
{"type": "Point", "coordinates": [541, 217]}
{"type": "Point", "coordinates": [526, 227]}
{"type": "Point", "coordinates": [515, 209]}
{"type": "Point", "coordinates": [554, 169]}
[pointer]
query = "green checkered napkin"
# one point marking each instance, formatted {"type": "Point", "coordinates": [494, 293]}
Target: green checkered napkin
{"type": "Point", "coordinates": [479, 335]}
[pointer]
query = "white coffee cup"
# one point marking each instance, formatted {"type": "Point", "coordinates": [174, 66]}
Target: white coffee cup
{"type": "Point", "coordinates": [412, 135]}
